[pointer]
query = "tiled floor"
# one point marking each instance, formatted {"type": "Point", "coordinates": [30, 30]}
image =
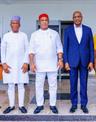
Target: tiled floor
{"type": "Point", "coordinates": [63, 105]}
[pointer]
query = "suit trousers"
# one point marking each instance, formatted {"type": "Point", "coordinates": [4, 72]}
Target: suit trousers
{"type": "Point", "coordinates": [83, 71]}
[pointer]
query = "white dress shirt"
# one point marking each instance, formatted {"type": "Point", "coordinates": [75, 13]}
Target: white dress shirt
{"type": "Point", "coordinates": [78, 32]}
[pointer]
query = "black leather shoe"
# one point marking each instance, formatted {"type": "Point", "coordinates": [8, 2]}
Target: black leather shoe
{"type": "Point", "coordinates": [54, 109]}
{"type": "Point", "coordinates": [73, 108]}
{"type": "Point", "coordinates": [8, 110]}
{"type": "Point", "coordinates": [38, 109]}
{"type": "Point", "coordinates": [84, 109]}
{"type": "Point", "coordinates": [23, 109]}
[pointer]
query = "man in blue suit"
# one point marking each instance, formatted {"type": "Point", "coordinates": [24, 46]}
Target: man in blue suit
{"type": "Point", "coordinates": [78, 56]}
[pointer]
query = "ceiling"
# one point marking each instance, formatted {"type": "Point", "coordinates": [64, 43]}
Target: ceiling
{"type": "Point", "coordinates": [32, 1]}
{"type": "Point", "coordinates": [13, 1]}
{"type": "Point", "coordinates": [22, 1]}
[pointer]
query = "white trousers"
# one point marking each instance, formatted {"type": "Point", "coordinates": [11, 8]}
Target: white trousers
{"type": "Point", "coordinates": [11, 94]}
{"type": "Point", "coordinates": [52, 81]}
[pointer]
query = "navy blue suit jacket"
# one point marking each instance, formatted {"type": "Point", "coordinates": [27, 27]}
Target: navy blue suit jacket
{"type": "Point", "coordinates": [75, 52]}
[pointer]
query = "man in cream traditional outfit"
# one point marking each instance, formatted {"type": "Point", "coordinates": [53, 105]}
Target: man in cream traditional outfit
{"type": "Point", "coordinates": [14, 57]}
{"type": "Point", "coordinates": [45, 58]}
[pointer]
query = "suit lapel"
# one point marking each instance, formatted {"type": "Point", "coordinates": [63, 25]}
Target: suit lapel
{"type": "Point", "coordinates": [83, 31]}
{"type": "Point", "coordinates": [74, 35]}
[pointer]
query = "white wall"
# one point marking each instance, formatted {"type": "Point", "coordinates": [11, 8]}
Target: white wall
{"type": "Point", "coordinates": [57, 10]}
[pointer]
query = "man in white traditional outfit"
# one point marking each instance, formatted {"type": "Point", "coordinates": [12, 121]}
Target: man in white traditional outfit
{"type": "Point", "coordinates": [45, 54]}
{"type": "Point", "coordinates": [14, 57]}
